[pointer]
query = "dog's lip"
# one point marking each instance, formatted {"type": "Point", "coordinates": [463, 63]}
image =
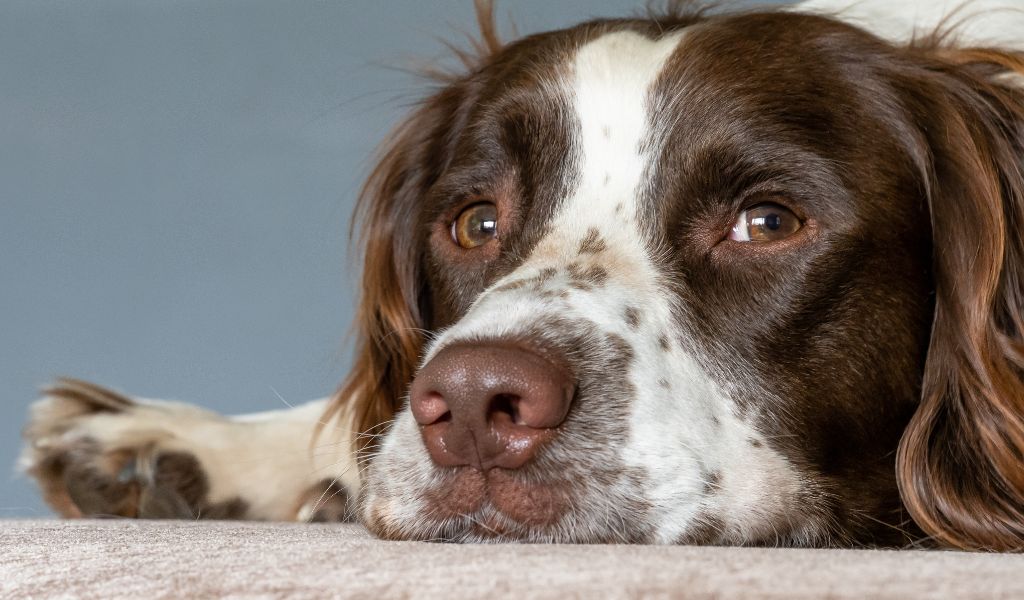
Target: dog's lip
{"type": "Point", "coordinates": [499, 494]}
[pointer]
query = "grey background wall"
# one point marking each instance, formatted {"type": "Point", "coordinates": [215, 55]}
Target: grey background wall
{"type": "Point", "coordinates": [176, 178]}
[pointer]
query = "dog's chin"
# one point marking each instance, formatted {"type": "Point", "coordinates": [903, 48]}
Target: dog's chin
{"type": "Point", "coordinates": [490, 526]}
{"type": "Point", "coordinates": [466, 505]}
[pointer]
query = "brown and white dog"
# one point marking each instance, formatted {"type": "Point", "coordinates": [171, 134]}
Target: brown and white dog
{"type": "Point", "coordinates": [753, 278]}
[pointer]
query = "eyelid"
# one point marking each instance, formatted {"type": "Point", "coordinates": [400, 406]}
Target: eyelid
{"type": "Point", "coordinates": [779, 199]}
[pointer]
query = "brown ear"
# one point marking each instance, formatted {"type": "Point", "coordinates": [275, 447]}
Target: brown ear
{"type": "Point", "coordinates": [961, 460]}
{"type": "Point", "coordinates": [389, 320]}
{"type": "Point", "coordinates": [392, 314]}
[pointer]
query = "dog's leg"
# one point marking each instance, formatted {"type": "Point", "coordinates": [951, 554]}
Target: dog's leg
{"type": "Point", "coordinates": [95, 452]}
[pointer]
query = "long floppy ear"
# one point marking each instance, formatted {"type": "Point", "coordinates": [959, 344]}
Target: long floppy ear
{"type": "Point", "coordinates": [389, 319]}
{"type": "Point", "coordinates": [393, 312]}
{"type": "Point", "coordinates": [961, 460]}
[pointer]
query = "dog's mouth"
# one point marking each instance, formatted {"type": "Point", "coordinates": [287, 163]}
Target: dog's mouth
{"type": "Point", "coordinates": [469, 491]}
{"type": "Point", "coordinates": [494, 505]}
{"type": "Point", "coordinates": [468, 505]}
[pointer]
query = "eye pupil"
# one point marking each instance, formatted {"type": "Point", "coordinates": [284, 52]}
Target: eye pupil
{"type": "Point", "coordinates": [773, 222]}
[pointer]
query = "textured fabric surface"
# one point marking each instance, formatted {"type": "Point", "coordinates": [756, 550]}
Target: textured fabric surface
{"type": "Point", "coordinates": [146, 559]}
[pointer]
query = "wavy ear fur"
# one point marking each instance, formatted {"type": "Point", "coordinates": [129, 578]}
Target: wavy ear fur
{"type": "Point", "coordinates": [961, 460]}
{"type": "Point", "coordinates": [389, 321]}
{"type": "Point", "coordinates": [392, 312]}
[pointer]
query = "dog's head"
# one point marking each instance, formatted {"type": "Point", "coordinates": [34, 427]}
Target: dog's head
{"type": "Point", "coordinates": [704, 279]}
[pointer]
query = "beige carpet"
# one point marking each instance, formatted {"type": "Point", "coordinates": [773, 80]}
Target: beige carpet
{"type": "Point", "coordinates": [146, 559]}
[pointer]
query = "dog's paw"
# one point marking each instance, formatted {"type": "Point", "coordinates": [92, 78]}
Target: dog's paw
{"type": "Point", "coordinates": [97, 453]}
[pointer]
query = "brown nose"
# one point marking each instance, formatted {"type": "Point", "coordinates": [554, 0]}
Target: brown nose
{"type": "Point", "coordinates": [489, 406]}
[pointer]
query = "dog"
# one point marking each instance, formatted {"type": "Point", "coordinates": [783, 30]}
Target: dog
{"type": "Point", "coordinates": [751, 278]}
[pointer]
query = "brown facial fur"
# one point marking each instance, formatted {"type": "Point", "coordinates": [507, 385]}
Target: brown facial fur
{"type": "Point", "coordinates": [870, 331]}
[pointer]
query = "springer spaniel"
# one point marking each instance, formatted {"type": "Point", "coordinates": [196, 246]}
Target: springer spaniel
{"type": "Point", "coordinates": [693, 278]}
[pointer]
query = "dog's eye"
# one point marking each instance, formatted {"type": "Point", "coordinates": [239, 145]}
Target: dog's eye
{"type": "Point", "coordinates": [765, 223]}
{"type": "Point", "coordinates": [476, 225]}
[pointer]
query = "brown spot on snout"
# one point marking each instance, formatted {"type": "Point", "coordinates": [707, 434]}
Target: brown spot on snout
{"type": "Point", "coordinates": [593, 243]}
{"type": "Point", "coordinates": [586, 278]}
{"type": "Point", "coordinates": [596, 274]}
{"type": "Point", "coordinates": [622, 350]}
{"type": "Point", "coordinates": [577, 280]}
{"type": "Point", "coordinates": [632, 317]}
{"type": "Point", "coordinates": [711, 482]}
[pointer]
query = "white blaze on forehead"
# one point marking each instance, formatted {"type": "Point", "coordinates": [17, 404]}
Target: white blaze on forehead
{"type": "Point", "coordinates": [612, 78]}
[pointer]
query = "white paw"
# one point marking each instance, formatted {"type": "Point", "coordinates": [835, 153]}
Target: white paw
{"type": "Point", "coordinates": [95, 452]}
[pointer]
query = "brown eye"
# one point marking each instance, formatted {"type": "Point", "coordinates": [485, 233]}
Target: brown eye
{"type": "Point", "coordinates": [476, 225]}
{"type": "Point", "coordinates": [765, 223]}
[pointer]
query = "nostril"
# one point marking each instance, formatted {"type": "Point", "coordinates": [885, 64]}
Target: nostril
{"type": "Point", "coordinates": [506, 405]}
{"type": "Point", "coordinates": [430, 408]}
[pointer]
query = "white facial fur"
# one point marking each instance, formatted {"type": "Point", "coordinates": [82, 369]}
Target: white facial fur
{"type": "Point", "coordinates": [696, 454]}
